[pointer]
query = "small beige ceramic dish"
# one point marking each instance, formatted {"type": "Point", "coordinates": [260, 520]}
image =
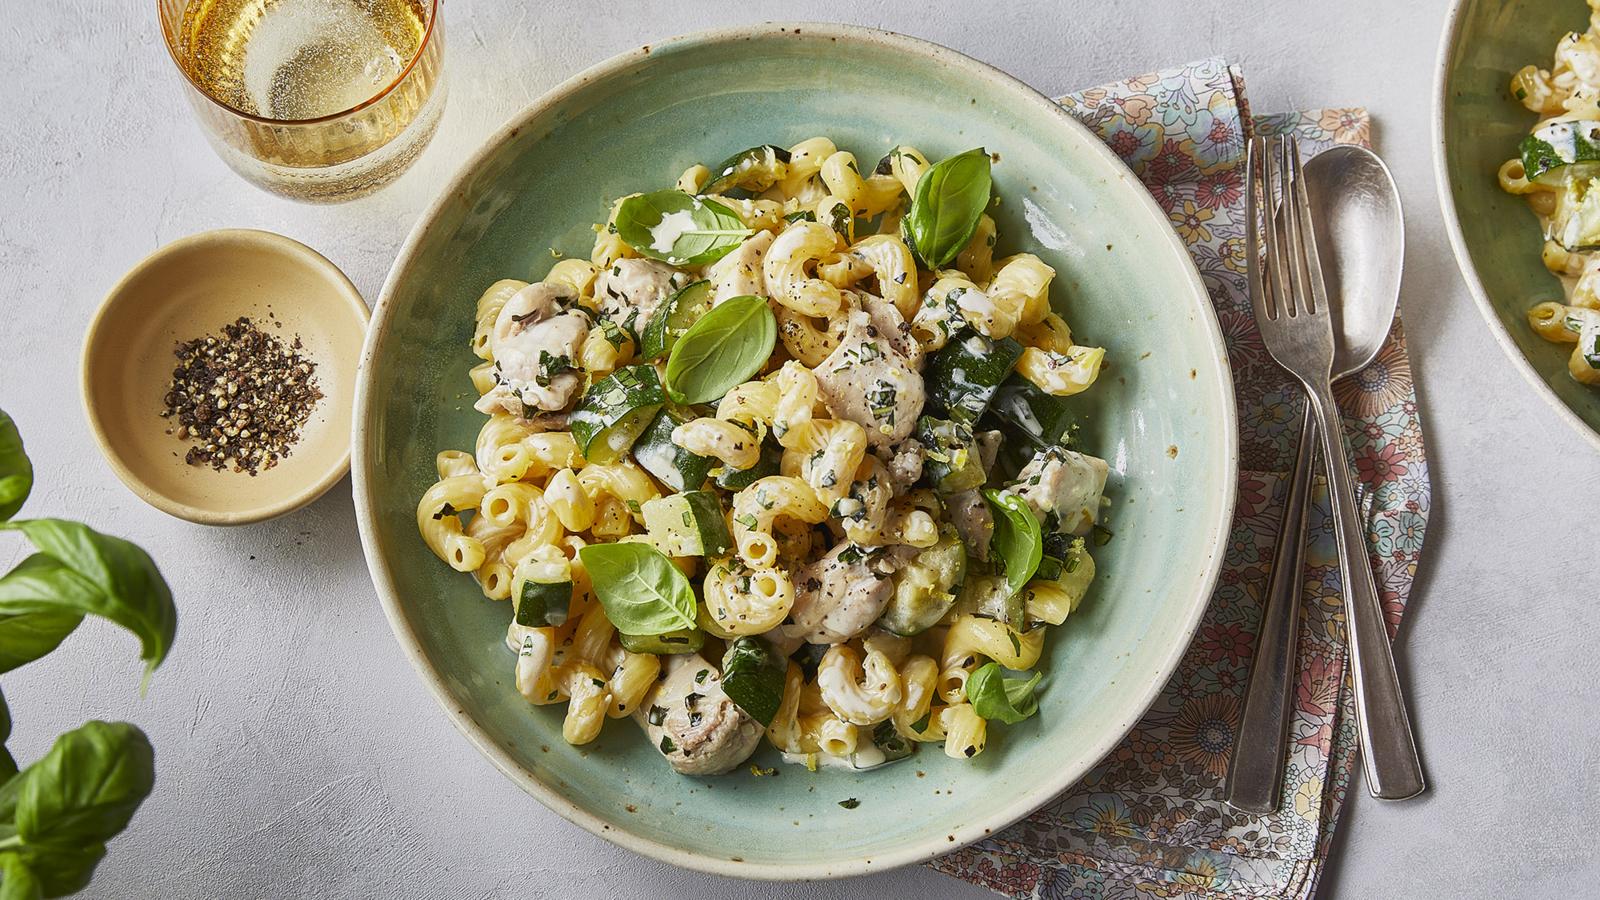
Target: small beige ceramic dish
{"type": "Point", "coordinates": [193, 287]}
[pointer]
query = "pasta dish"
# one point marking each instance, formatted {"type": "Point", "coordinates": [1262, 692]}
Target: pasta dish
{"type": "Point", "coordinates": [1558, 171]}
{"type": "Point", "coordinates": [792, 456]}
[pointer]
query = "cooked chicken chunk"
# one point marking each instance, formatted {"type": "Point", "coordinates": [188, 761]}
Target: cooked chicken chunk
{"type": "Point", "coordinates": [866, 380]}
{"type": "Point", "coordinates": [840, 595]}
{"type": "Point", "coordinates": [905, 464]}
{"type": "Point", "coordinates": [536, 342]}
{"type": "Point", "coordinates": [1063, 487]}
{"type": "Point", "coordinates": [739, 273]}
{"type": "Point", "coordinates": [892, 326]}
{"type": "Point", "coordinates": [693, 723]}
{"type": "Point", "coordinates": [630, 290]}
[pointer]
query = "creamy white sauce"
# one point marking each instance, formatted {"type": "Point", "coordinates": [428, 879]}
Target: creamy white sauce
{"type": "Point", "coordinates": [672, 226]}
{"type": "Point", "coordinates": [866, 757]}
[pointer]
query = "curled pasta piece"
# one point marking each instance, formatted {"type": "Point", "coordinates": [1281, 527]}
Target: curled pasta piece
{"type": "Point", "coordinates": [918, 678]}
{"type": "Point", "coordinates": [737, 446]}
{"type": "Point", "coordinates": [784, 732]}
{"type": "Point", "coordinates": [1049, 333]}
{"type": "Point", "coordinates": [693, 179]}
{"type": "Point", "coordinates": [786, 269]}
{"type": "Point", "coordinates": [805, 161]}
{"type": "Point", "coordinates": [535, 657]}
{"type": "Point", "coordinates": [489, 306]}
{"type": "Point", "coordinates": [440, 526]}
{"type": "Point", "coordinates": [753, 404]}
{"type": "Point", "coordinates": [572, 506]}
{"type": "Point", "coordinates": [1022, 284]}
{"type": "Point", "coordinates": [1061, 374]}
{"type": "Point", "coordinates": [623, 481]}
{"type": "Point", "coordinates": [859, 691]}
{"type": "Point", "coordinates": [867, 196]}
{"type": "Point", "coordinates": [578, 274]}
{"type": "Point", "coordinates": [450, 463]}
{"type": "Point", "coordinates": [825, 453]}
{"type": "Point", "coordinates": [797, 399]}
{"type": "Point", "coordinates": [890, 261]}
{"type": "Point", "coordinates": [757, 506]}
{"type": "Point", "coordinates": [633, 675]}
{"type": "Point", "coordinates": [965, 732]}
{"type": "Point", "coordinates": [482, 376]}
{"type": "Point", "coordinates": [608, 244]}
{"type": "Point", "coordinates": [865, 508]}
{"type": "Point", "coordinates": [907, 164]}
{"type": "Point", "coordinates": [805, 339]}
{"type": "Point", "coordinates": [745, 600]}
{"type": "Point", "coordinates": [589, 694]}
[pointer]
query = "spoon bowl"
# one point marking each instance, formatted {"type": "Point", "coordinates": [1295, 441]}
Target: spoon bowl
{"type": "Point", "coordinates": [1355, 208]}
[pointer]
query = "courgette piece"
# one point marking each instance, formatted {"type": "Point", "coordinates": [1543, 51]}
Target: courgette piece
{"type": "Point", "coordinates": [747, 172]}
{"type": "Point", "coordinates": [687, 640]}
{"type": "Point", "coordinates": [1562, 151]}
{"type": "Point", "coordinates": [732, 479]}
{"type": "Point", "coordinates": [926, 587]}
{"type": "Point", "coordinates": [753, 676]}
{"type": "Point", "coordinates": [673, 318]}
{"type": "Point", "coordinates": [614, 412]}
{"type": "Point", "coordinates": [1057, 546]}
{"type": "Point", "coordinates": [687, 524]}
{"type": "Point", "coordinates": [963, 376]}
{"type": "Point", "coordinates": [671, 465]}
{"type": "Point", "coordinates": [888, 740]}
{"type": "Point", "coordinates": [538, 604]}
{"type": "Point", "coordinates": [1031, 420]}
{"type": "Point", "coordinates": [952, 463]}
{"type": "Point", "coordinates": [1575, 223]}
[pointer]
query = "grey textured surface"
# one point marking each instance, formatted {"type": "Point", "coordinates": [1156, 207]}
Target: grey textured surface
{"type": "Point", "coordinates": [300, 757]}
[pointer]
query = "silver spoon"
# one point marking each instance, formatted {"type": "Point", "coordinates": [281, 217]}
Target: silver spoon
{"type": "Point", "coordinates": [1356, 211]}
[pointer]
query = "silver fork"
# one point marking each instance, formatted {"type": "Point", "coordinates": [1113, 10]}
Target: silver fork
{"type": "Point", "coordinates": [1291, 309]}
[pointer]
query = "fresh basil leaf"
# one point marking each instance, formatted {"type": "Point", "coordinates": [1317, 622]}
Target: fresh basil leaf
{"type": "Point", "coordinates": [58, 869]}
{"type": "Point", "coordinates": [641, 590]}
{"type": "Point", "coordinates": [87, 787]}
{"type": "Point", "coordinates": [994, 695]}
{"type": "Point", "coordinates": [8, 763]}
{"type": "Point", "coordinates": [17, 881]}
{"type": "Point", "coordinates": [111, 578]}
{"type": "Point", "coordinates": [1017, 542]}
{"type": "Point", "coordinates": [678, 228]}
{"type": "Point", "coordinates": [16, 471]}
{"type": "Point", "coordinates": [25, 637]}
{"type": "Point", "coordinates": [950, 198]}
{"type": "Point", "coordinates": [725, 348]}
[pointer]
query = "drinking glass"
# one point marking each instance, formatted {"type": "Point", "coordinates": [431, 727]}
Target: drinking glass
{"type": "Point", "coordinates": [317, 100]}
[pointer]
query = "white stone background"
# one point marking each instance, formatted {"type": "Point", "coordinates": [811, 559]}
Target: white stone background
{"type": "Point", "coordinates": [299, 756]}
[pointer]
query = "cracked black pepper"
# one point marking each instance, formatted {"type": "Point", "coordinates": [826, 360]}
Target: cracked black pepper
{"type": "Point", "coordinates": [241, 397]}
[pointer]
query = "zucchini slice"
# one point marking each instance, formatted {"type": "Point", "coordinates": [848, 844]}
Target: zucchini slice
{"type": "Point", "coordinates": [1562, 150]}
{"type": "Point", "coordinates": [732, 479]}
{"type": "Point", "coordinates": [539, 604]}
{"type": "Point", "coordinates": [964, 375]}
{"type": "Point", "coordinates": [614, 412]}
{"type": "Point", "coordinates": [926, 588]}
{"type": "Point", "coordinates": [748, 172]}
{"type": "Point", "coordinates": [687, 640]}
{"type": "Point", "coordinates": [676, 314]}
{"type": "Point", "coordinates": [953, 463]}
{"type": "Point", "coordinates": [1031, 420]}
{"type": "Point", "coordinates": [752, 676]}
{"type": "Point", "coordinates": [671, 465]}
{"type": "Point", "coordinates": [688, 524]}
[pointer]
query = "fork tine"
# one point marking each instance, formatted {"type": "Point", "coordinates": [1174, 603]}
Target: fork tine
{"type": "Point", "coordinates": [1279, 288]}
{"type": "Point", "coordinates": [1314, 295]}
{"type": "Point", "coordinates": [1253, 248]}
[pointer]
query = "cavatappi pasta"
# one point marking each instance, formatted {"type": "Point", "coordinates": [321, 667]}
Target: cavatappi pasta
{"type": "Point", "coordinates": [741, 468]}
{"type": "Point", "coordinates": [1558, 173]}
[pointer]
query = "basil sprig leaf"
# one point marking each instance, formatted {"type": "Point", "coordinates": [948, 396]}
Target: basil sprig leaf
{"type": "Point", "coordinates": [1018, 543]}
{"type": "Point", "coordinates": [949, 200]}
{"type": "Point", "coordinates": [16, 471]}
{"type": "Point", "coordinates": [641, 590]}
{"type": "Point", "coordinates": [678, 228]}
{"type": "Point", "coordinates": [81, 571]}
{"type": "Point", "coordinates": [725, 348]}
{"type": "Point", "coordinates": [995, 695]}
{"type": "Point", "coordinates": [87, 787]}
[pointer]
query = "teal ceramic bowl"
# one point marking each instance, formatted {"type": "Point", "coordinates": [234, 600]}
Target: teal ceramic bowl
{"type": "Point", "coordinates": [1497, 239]}
{"type": "Point", "coordinates": [1163, 415]}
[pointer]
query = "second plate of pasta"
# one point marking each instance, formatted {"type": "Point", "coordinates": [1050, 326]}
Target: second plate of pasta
{"type": "Point", "coordinates": [738, 474]}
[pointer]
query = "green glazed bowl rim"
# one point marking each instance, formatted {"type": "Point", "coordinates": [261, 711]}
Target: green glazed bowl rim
{"type": "Point", "coordinates": [1458, 241]}
{"type": "Point", "coordinates": [944, 840]}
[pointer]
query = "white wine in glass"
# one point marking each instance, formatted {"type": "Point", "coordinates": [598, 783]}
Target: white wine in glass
{"type": "Point", "coordinates": [314, 99]}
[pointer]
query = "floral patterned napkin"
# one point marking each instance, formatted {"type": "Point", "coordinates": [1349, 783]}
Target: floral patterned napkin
{"type": "Point", "coordinates": [1149, 820]}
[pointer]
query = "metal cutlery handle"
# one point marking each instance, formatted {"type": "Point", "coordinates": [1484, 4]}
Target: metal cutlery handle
{"type": "Point", "coordinates": [1255, 773]}
{"type": "Point", "coordinates": [1388, 751]}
